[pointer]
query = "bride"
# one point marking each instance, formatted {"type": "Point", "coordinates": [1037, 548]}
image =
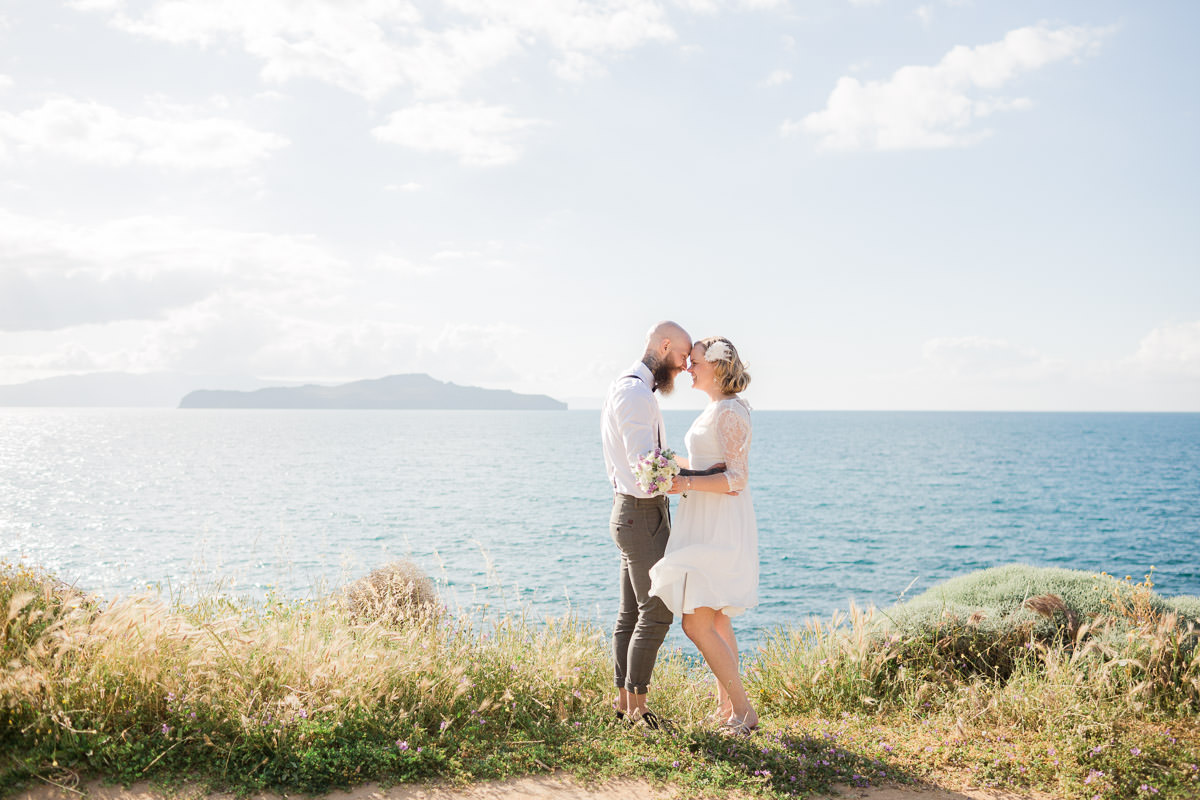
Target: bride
{"type": "Point", "coordinates": [709, 571]}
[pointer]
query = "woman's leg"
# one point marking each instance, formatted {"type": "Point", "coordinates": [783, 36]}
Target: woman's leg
{"type": "Point", "coordinates": [724, 628]}
{"type": "Point", "coordinates": [702, 628]}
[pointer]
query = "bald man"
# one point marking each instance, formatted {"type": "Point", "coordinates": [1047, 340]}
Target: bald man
{"type": "Point", "coordinates": [631, 425]}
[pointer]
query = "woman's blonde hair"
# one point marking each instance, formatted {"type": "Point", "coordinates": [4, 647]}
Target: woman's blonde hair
{"type": "Point", "coordinates": [731, 373]}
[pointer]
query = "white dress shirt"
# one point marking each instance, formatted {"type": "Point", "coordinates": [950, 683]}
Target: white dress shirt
{"type": "Point", "coordinates": [631, 425]}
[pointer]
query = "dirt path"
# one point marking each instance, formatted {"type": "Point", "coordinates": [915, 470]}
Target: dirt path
{"type": "Point", "coordinates": [557, 787]}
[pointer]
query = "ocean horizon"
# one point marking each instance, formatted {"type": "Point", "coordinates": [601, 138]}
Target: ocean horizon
{"type": "Point", "coordinates": [507, 510]}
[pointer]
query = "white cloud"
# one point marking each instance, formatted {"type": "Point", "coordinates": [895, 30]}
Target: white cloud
{"type": "Point", "coordinates": [476, 133]}
{"type": "Point", "coordinates": [235, 334]}
{"type": "Point", "coordinates": [982, 358]}
{"type": "Point", "coordinates": [1171, 350]}
{"type": "Point", "coordinates": [932, 107]}
{"type": "Point", "coordinates": [777, 77]}
{"type": "Point", "coordinates": [1163, 374]}
{"type": "Point", "coordinates": [698, 6]}
{"type": "Point", "coordinates": [56, 275]}
{"type": "Point", "coordinates": [96, 5]}
{"type": "Point", "coordinates": [455, 255]}
{"type": "Point", "coordinates": [371, 47]}
{"type": "Point", "coordinates": [925, 14]}
{"type": "Point", "coordinates": [5, 82]}
{"type": "Point", "coordinates": [411, 186]}
{"type": "Point", "coordinates": [97, 134]}
{"type": "Point", "coordinates": [70, 357]}
{"type": "Point", "coordinates": [576, 25]}
{"type": "Point", "coordinates": [713, 6]}
{"type": "Point", "coordinates": [390, 264]}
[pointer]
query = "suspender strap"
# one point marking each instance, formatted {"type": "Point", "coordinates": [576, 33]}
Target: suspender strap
{"type": "Point", "coordinates": [657, 428]}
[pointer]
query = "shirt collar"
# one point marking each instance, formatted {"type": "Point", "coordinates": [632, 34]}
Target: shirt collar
{"type": "Point", "coordinates": [643, 372]}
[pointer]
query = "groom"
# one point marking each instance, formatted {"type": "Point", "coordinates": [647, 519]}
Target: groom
{"type": "Point", "coordinates": [631, 425]}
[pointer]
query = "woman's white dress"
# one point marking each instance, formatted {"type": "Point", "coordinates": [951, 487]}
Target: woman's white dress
{"type": "Point", "coordinates": [711, 559]}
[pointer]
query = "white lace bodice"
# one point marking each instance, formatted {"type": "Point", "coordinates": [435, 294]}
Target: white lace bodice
{"type": "Point", "coordinates": [722, 433]}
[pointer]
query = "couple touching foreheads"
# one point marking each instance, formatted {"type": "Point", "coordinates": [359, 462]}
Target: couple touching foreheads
{"type": "Point", "coordinates": [703, 567]}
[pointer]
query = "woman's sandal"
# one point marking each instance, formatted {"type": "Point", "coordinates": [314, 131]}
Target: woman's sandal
{"type": "Point", "coordinates": [737, 727]}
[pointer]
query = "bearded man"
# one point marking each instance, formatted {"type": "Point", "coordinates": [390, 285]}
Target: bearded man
{"type": "Point", "coordinates": [631, 425]}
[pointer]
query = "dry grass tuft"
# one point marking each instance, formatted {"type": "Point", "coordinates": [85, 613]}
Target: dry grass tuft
{"type": "Point", "coordinates": [392, 595]}
{"type": "Point", "coordinates": [1048, 605]}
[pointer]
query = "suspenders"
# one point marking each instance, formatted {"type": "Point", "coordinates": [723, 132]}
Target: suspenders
{"type": "Point", "coordinates": [657, 428]}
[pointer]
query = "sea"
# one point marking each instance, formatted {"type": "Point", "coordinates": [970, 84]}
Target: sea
{"type": "Point", "coordinates": [507, 510]}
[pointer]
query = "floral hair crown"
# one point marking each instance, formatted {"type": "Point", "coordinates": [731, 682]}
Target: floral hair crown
{"type": "Point", "coordinates": [718, 351]}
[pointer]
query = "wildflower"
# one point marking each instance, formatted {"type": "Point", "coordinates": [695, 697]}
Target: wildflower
{"type": "Point", "coordinates": [675, 764]}
{"type": "Point", "coordinates": [1133, 751]}
{"type": "Point", "coordinates": [401, 745]}
{"type": "Point", "coordinates": [166, 729]}
{"type": "Point", "coordinates": [445, 724]}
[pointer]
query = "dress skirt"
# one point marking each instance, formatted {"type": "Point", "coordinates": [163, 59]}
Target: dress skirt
{"type": "Point", "coordinates": [711, 558]}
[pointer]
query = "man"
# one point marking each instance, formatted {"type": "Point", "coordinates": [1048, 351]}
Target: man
{"type": "Point", "coordinates": [631, 425]}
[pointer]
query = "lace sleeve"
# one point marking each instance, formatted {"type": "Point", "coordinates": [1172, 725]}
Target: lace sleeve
{"type": "Point", "coordinates": [734, 430]}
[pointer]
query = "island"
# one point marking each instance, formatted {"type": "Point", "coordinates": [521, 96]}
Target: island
{"type": "Point", "coordinates": [412, 391]}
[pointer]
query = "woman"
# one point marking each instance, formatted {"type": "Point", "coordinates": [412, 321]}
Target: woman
{"type": "Point", "coordinates": [709, 571]}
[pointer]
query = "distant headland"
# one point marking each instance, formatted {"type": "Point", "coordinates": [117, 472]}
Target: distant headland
{"type": "Point", "coordinates": [412, 391]}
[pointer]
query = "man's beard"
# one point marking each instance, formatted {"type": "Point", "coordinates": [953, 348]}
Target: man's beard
{"type": "Point", "coordinates": [664, 378]}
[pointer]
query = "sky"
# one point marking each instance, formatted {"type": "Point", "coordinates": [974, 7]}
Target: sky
{"type": "Point", "coordinates": [885, 204]}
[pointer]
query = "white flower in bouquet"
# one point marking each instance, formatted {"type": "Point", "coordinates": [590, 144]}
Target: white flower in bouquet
{"type": "Point", "coordinates": [655, 471]}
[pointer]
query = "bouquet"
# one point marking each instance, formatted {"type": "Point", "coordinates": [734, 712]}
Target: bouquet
{"type": "Point", "coordinates": [655, 470]}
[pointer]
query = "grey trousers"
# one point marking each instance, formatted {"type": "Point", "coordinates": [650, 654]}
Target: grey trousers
{"type": "Point", "coordinates": [640, 527]}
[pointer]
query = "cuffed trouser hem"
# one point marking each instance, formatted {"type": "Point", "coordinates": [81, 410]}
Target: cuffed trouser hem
{"type": "Point", "coordinates": [636, 689]}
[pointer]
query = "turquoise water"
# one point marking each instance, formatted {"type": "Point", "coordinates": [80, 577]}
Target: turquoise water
{"type": "Point", "coordinates": [511, 508]}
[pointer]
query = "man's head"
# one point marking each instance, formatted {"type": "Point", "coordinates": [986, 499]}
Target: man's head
{"type": "Point", "coordinates": [667, 348]}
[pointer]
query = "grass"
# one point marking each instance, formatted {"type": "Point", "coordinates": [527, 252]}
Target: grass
{"type": "Point", "coordinates": [1093, 696]}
